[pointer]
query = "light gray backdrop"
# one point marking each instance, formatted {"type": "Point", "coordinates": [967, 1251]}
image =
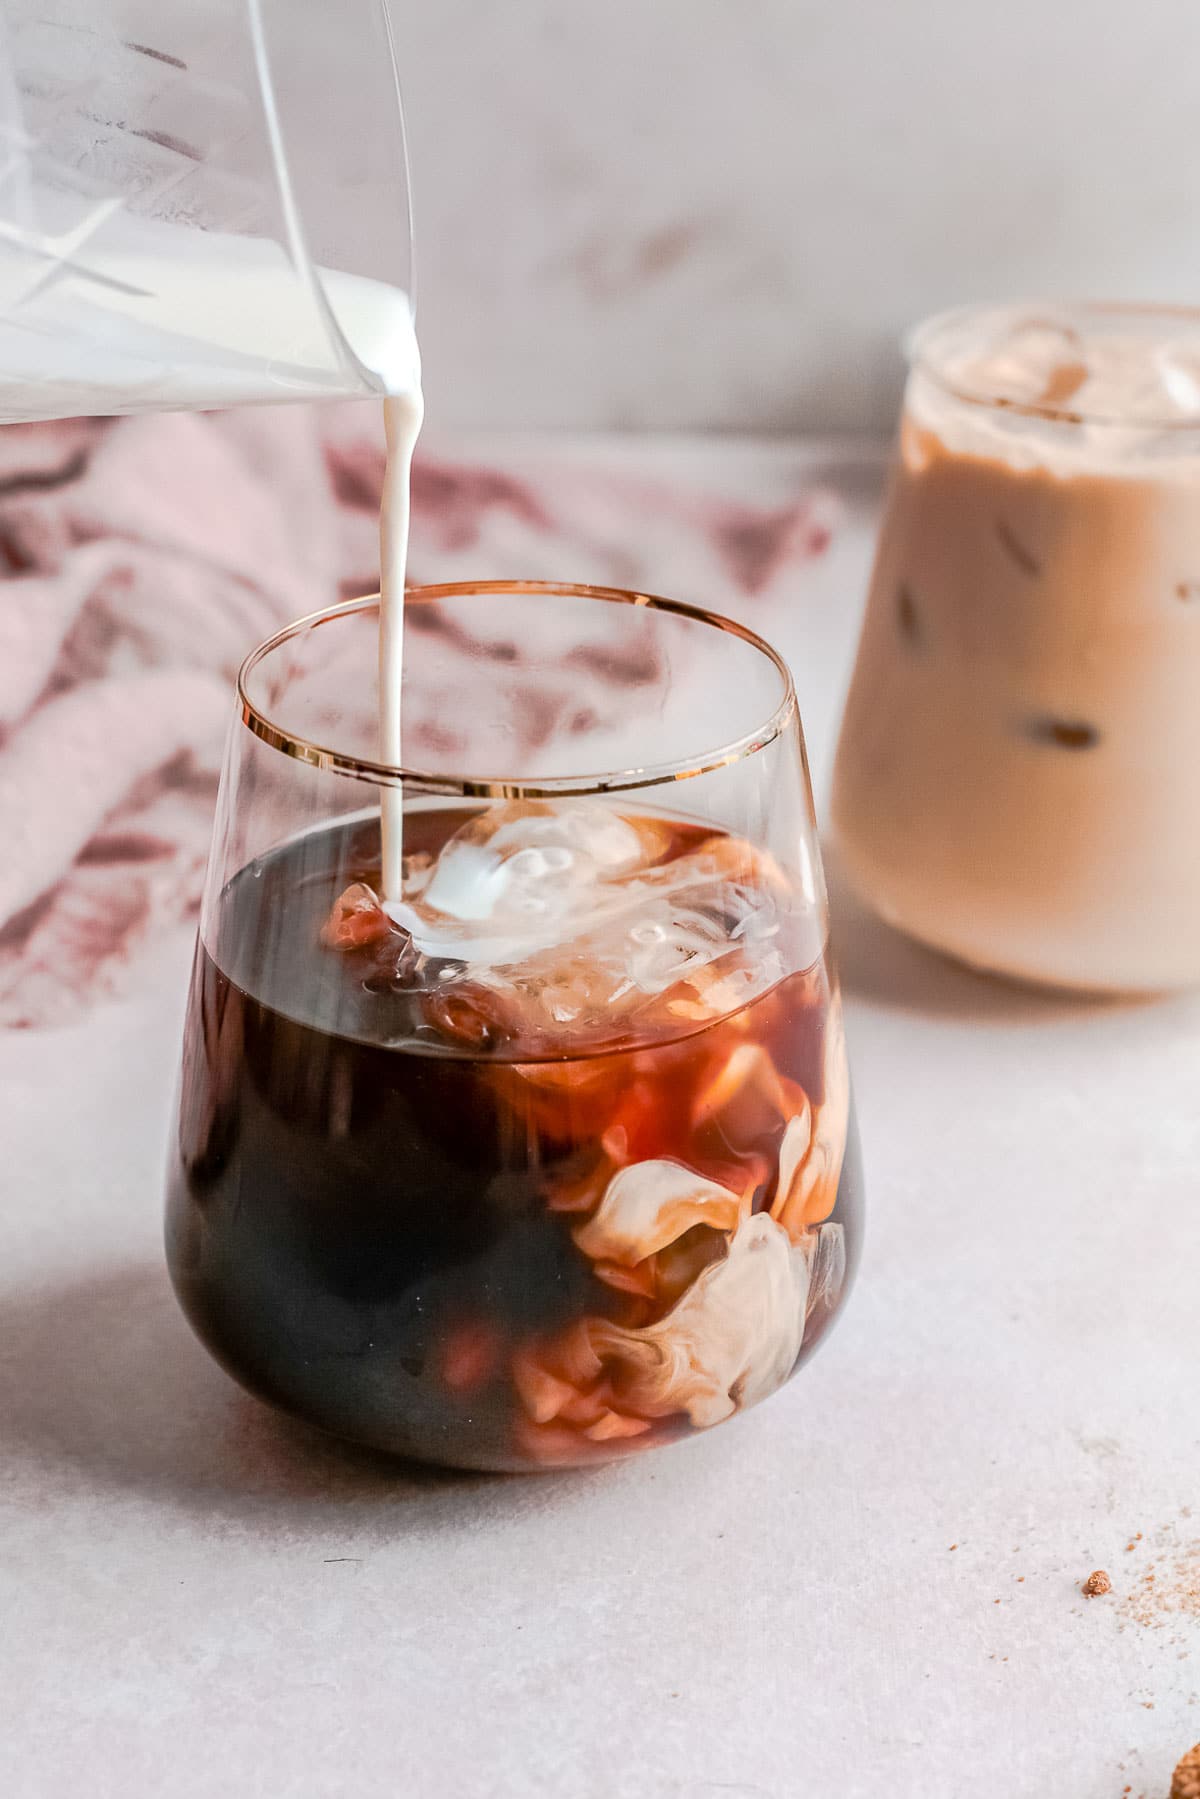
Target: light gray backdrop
{"type": "Point", "coordinates": [722, 212]}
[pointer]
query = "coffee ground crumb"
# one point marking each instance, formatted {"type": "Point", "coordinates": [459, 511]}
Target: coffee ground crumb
{"type": "Point", "coordinates": [1186, 1784]}
{"type": "Point", "coordinates": [1097, 1583]}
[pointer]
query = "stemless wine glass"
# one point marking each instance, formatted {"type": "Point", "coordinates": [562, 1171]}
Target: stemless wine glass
{"type": "Point", "coordinates": [550, 1156]}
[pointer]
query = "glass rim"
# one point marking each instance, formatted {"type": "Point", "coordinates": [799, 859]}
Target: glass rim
{"type": "Point", "coordinates": [919, 342]}
{"type": "Point", "coordinates": [470, 785]}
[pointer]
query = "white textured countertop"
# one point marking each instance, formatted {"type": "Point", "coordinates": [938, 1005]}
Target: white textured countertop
{"type": "Point", "coordinates": [868, 1586]}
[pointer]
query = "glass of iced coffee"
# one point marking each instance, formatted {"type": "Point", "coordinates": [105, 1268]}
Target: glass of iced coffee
{"type": "Point", "coordinates": [548, 1155]}
{"type": "Point", "coordinates": [1016, 781]}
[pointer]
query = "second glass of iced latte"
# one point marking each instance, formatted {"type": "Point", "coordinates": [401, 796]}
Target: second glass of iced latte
{"type": "Point", "coordinates": [1017, 776]}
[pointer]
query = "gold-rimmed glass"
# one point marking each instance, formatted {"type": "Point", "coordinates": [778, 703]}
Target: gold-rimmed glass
{"type": "Point", "coordinates": [550, 1157]}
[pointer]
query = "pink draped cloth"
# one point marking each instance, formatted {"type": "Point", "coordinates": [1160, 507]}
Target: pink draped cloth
{"type": "Point", "coordinates": [140, 559]}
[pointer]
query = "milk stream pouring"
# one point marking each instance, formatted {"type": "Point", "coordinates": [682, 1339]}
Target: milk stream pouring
{"type": "Point", "coordinates": [202, 206]}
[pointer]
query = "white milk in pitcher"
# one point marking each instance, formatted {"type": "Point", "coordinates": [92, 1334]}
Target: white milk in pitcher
{"type": "Point", "coordinates": [171, 319]}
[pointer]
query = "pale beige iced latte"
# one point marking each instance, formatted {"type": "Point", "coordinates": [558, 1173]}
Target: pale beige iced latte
{"type": "Point", "coordinates": [1018, 778]}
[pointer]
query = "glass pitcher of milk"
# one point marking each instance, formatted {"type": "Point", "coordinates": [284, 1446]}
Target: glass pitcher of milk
{"type": "Point", "coordinates": [203, 203]}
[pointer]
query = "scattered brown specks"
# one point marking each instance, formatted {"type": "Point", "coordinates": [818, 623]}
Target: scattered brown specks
{"type": "Point", "coordinates": [1165, 1594]}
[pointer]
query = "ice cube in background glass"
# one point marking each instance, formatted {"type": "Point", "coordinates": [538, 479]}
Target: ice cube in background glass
{"type": "Point", "coordinates": [1178, 368]}
{"type": "Point", "coordinates": [1038, 362]}
{"type": "Point", "coordinates": [1041, 361]}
